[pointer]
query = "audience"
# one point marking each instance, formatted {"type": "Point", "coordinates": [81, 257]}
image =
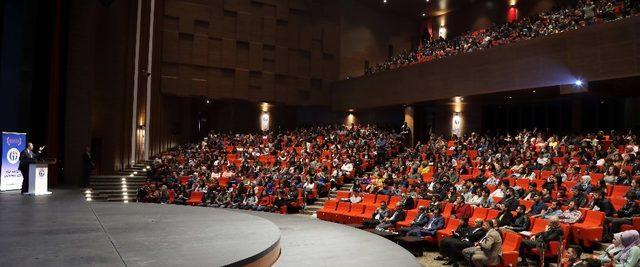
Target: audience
{"type": "Point", "coordinates": [585, 13]}
{"type": "Point", "coordinates": [288, 170]}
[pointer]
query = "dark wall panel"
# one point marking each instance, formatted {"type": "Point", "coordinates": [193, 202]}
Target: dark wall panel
{"type": "Point", "coordinates": [232, 37]}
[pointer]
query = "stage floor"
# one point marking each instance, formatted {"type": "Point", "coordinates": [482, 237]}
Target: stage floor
{"type": "Point", "coordinates": [64, 230]}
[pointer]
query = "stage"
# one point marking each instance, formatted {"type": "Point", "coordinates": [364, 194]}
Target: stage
{"type": "Point", "coordinates": [63, 229]}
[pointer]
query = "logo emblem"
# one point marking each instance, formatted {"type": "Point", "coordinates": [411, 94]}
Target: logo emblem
{"type": "Point", "coordinates": [13, 155]}
{"type": "Point", "coordinates": [41, 173]}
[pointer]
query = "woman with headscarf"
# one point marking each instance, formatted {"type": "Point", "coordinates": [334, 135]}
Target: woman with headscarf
{"type": "Point", "coordinates": [630, 252]}
{"type": "Point", "coordinates": [612, 250]}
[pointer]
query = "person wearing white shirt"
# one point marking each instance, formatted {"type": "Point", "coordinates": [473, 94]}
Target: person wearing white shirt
{"type": "Point", "coordinates": [347, 167]}
{"type": "Point", "coordinates": [355, 197]}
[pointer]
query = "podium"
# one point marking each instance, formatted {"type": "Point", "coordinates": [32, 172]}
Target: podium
{"type": "Point", "coordinates": [38, 179]}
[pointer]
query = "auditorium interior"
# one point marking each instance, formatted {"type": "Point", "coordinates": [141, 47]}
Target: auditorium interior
{"type": "Point", "coordinates": [320, 133]}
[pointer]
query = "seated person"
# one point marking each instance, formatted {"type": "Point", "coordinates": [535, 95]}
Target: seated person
{"type": "Point", "coordinates": [625, 214]}
{"type": "Point", "coordinates": [553, 210]}
{"type": "Point", "coordinates": [538, 205]}
{"type": "Point", "coordinates": [488, 250]}
{"type": "Point", "coordinates": [629, 256]}
{"type": "Point", "coordinates": [571, 215]}
{"type": "Point", "coordinates": [573, 259]}
{"type": "Point", "coordinates": [520, 222]}
{"type": "Point", "coordinates": [419, 221]}
{"type": "Point", "coordinates": [553, 232]}
{"type": "Point", "coordinates": [355, 197]}
{"type": "Point", "coordinates": [380, 213]}
{"type": "Point", "coordinates": [509, 200]}
{"type": "Point", "coordinates": [600, 203]}
{"type": "Point", "coordinates": [451, 247]}
{"type": "Point", "coordinates": [612, 250]}
{"type": "Point", "coordinates": [504, 217]}
{"type": "Point", "coordinates": [461, 210]}
{"type": "Point", "coordinates": [435, 223]}
{"type": "Point", "coordinates": [390, 221]}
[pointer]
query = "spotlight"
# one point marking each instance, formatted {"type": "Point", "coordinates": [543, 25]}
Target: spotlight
{"type": "Point", "coordinates": [384, 1]}
{"type": "Point", "coordinates": [423, 14]}
{"type": "Point", "coordinates": [510, 97]}
{"type": "Point", "coordinates": [208, 101]}
{"type": "Point", "coordinates": [578, 82]}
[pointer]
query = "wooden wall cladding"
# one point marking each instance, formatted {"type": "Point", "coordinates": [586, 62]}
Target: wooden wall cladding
{"type": "Point", "coordinates": [257, 50]}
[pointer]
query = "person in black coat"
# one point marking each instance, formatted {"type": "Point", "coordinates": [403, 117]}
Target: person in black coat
{"type": "Point", "coordinates": [553, 232]}
{"type": "Point", "coordinates": [87, 166]}
{"type": "Point", "coordinates": [521, 222]}
{"type": "Point", "coordinates": [463, 237]}
{"type": "Point", "coordinates": [27, 156]}
{"type": "Point", "coordinates": [504, 217]}
{"type": "Point", "coordinates": [602, 204]}
{"type": "Point", "coordinates": [509, 200]}
{"type": "Point", "coordinates": [419, 221]}
{"type": "Point", "coordinates": [398, 215]}
{"type": "Point", "coordinates": [612, 225]}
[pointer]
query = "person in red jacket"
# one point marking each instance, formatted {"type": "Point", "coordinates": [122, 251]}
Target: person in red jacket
{"type": "Point", "coordinates": [461, 210]}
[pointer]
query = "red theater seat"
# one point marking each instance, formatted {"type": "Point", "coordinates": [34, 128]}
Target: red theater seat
{"type": "Point", "coordinates": [480, 213]}
{"type": "Point", "coordinates": [411, 214]}
{"type": "Point", "coordinates": [393, 201]}
{"type": "Point", "coordinates": [324, 212]}
{"type": "Point", "coordinates": [634, 226]}
{"type": "Point", "coordinates": [590, 229]}
{"type": "Point", "coordinates": [619, 191]}
{"type": "Point", "coordinates": [369, 199]}
{"type": "Point", "coordinates": [492, 214]}
{"type": "Point", "coordinates": [195, 199]}
{"type": "Point", "coordinates": [452, 225]}
{"type": "Point", "coordinates": [366, 215]}
{"type": "Point", "coordinates": [342, 195]}
{"type": "Point", "coordinates": [510, 249]}
{"type": "Point", "coordinates": [356, 210]}
{"type": "Point", "coordinates": [422, 202]}
{"type": "Point", "coordinates": [341, 213]}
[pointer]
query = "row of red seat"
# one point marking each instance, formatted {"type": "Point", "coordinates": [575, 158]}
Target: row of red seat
{"type": "Point", "coordinates": [586, 232]}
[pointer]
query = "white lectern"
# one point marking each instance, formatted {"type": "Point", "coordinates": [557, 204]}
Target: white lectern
{"type": "Point", "coordinates": [38, 179]}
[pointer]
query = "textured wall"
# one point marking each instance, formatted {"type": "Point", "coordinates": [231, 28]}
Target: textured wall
{"type": "Point", "coordinates": [366, 33]}
{"type": "Point", "coordinates": [257, 50]}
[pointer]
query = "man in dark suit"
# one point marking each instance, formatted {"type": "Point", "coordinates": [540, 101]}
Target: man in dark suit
{"type": "Point", "coordinates": [431, 227]}
{"type": "Point", "coordinates": [419, 221]}
{"type": "Point", "coordinates": [397, 216]}
{"type": "Point", "coordinates": [27, 156]}
{"type": "Point", "coordinates": [379, 215]}
{"type": "Point", "coordinates": [87, 166]}
{"type": "Point", "coordinates": [553, 232]}
{"type": "Point", "coordinates": [451, 247]}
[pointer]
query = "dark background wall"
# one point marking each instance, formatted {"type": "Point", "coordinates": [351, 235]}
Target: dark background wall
{"type": "Point", "coordinates": [283, 51]}
{"type": "Point", "coordinates": [366, 34]}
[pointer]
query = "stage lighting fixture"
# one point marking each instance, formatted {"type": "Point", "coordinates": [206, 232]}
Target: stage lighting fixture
{"type": "Point", "coordinates": [578, 83]}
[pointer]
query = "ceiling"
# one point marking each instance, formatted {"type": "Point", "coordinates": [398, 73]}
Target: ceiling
{"type": "Point", "coordinates": [415, 8]}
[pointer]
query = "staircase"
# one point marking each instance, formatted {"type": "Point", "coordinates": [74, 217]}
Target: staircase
{"type": "Point", "coordinates": [311, 209]}
{"type": "Point", "coordinates": [121, 186]}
